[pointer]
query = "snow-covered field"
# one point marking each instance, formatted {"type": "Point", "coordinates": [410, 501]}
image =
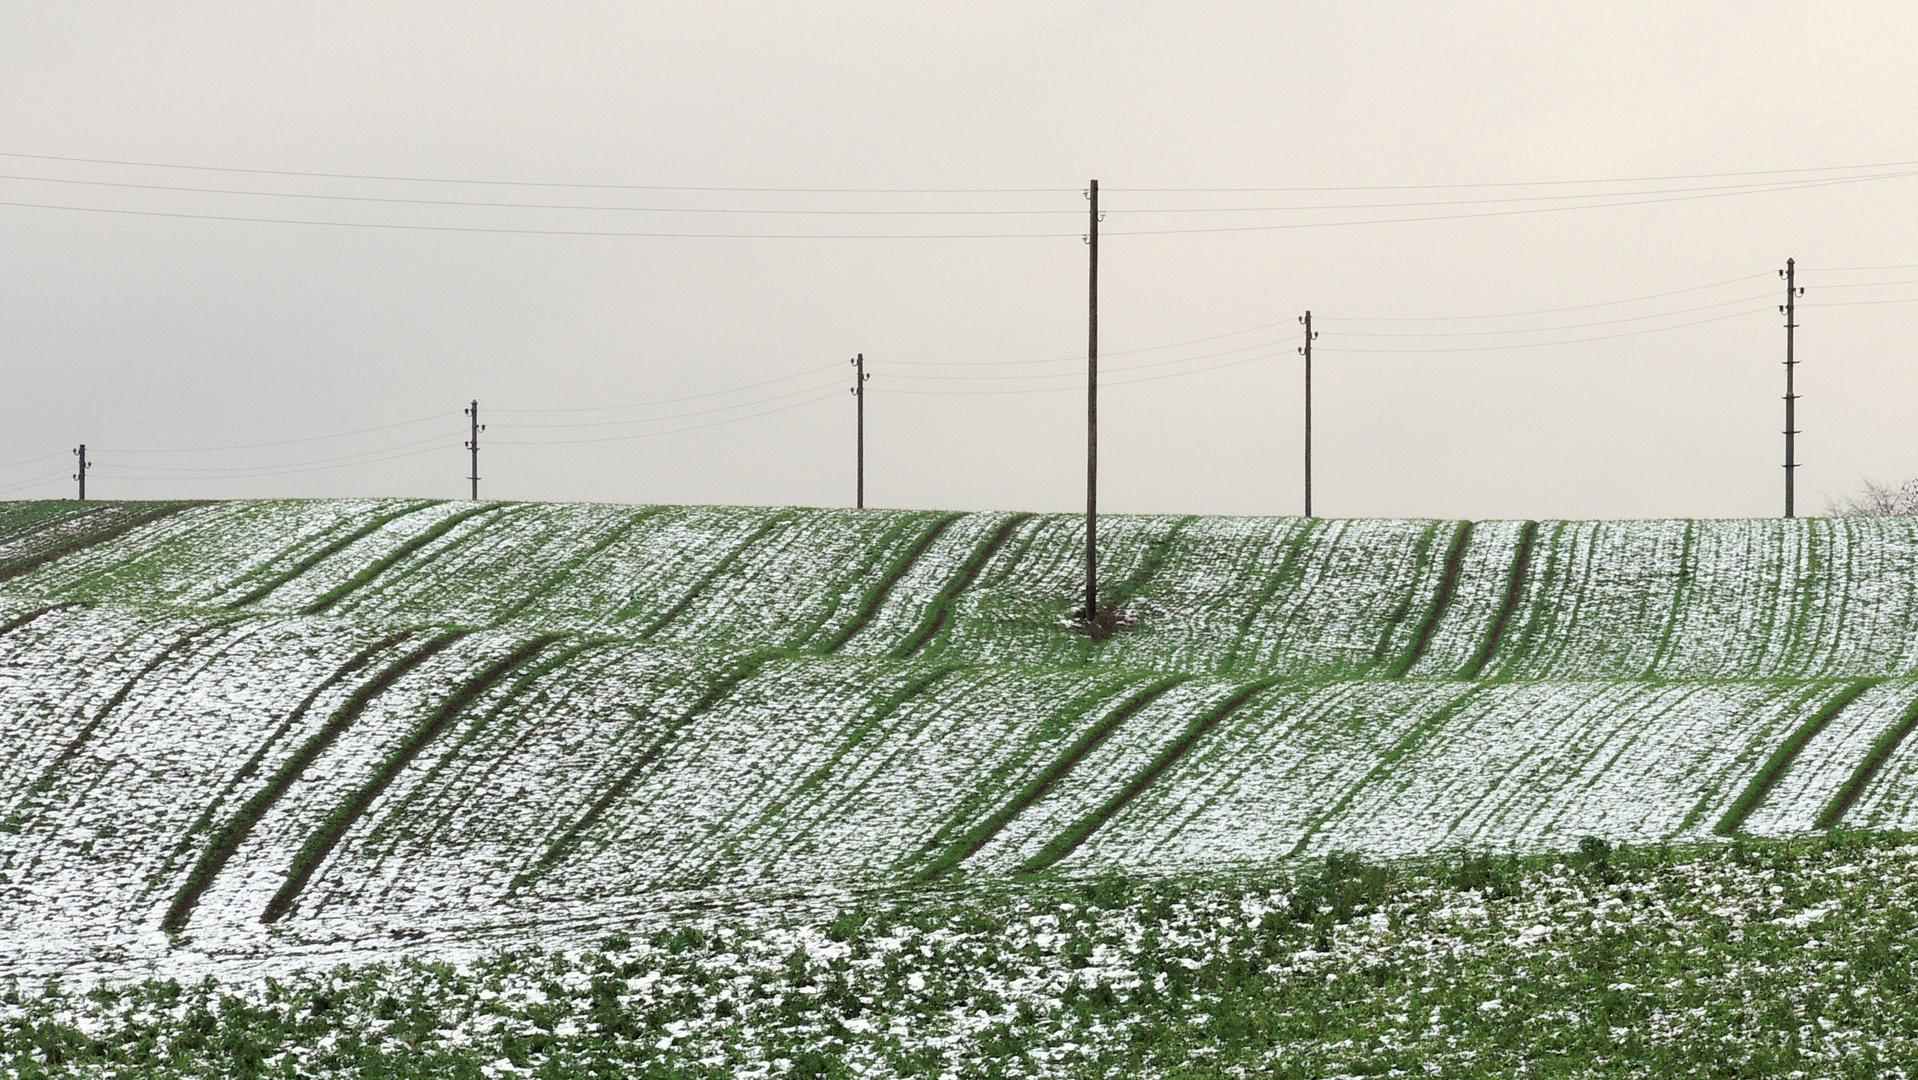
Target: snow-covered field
{"type": "Point", "coordinates": [236, 732]}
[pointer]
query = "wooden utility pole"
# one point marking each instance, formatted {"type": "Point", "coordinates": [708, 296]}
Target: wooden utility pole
{"type": "Point", "coordinates": [1092, 412]}
{"type": "Point", "coordinates": [81, 474]}
{"type": "Point", "coordinates": [472, 444]}
{"type": "Point", "coordinates": [1790, 308]}
{"type": "Point", "coordinates": [859, 454]}
{"type": "Point", "coordinates": [1306, 351]}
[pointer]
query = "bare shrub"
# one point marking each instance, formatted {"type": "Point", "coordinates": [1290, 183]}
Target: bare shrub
{"type": "Point", "coordinates": [1878, 500]}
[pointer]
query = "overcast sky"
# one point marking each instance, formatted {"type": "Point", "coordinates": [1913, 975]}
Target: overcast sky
{"type": "Point", "coordinates": [1457, 149]}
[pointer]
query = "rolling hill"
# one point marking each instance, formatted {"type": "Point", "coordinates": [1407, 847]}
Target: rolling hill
{"type": "Point", "coordinates": [251, 726]}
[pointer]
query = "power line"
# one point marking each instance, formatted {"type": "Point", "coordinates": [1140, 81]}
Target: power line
{"type": "Point", "coordinates": [1557, 310]}
{"type": "Point", "coordinates": [677, 400]}
{"type": "Point", "coordinates": [1856, 303]}
{"type": "Point", "coordinates": [638, 234]}
{"type": "Point", "coordinates": [29, 461]}
{"type": "Point", "coordinates": [1569, 341]}
{"type": "Point", "coordinates": [484, 230]}
{"type": "Point", "coordinates": [1509, 213]}
{"type": "Point", "coordinates": [1068, 374]}
{"type": "Point", "coordinates": [538, 183]}
{"type": "Point", "coordinates": [1070, 386]}
{"type": "Point", "coordinates": [672, 416]}
{"type": "Point", "coordinates": [494, 205]}
{"type": "Point", "coordinates": [45, 478]}
{"type": "Point", "coordinates": [401, 178]}
{"type": "Point", "coordinates": [319, 461]}
{"type": "Point", "coordinates": [831, 393]}
{"type": "Point", "coordinates": [1538, 183]}
{"type": "Point", "coordinates": [285, 442]}
{"type": "Point", "coordinates": [945, 212]}
{"type": "Point", "coordinates": [1551, 329]}
{"type": "Point", "coordinates": [1856, 269]}
{"type": "Point", "coordinates": [1869, 284]}
{"type": "Point", "coordinates": [287, 470]}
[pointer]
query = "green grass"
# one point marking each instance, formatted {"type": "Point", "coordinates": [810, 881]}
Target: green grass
{"type": "Point", "coordinates": [1747, 959]}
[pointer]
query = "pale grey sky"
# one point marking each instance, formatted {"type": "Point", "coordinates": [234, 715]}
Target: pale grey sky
{"type": "Point", "coordinates": [134, 332]}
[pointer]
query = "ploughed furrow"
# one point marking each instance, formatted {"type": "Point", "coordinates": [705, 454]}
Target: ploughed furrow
{"type": "Point", "coordinates": [1687, 573]}
{"type": "Point", "coordinates": [54, 769]}
{"type": "Point", "coordinates": [1441, 600]}
{"type": "Point", "coordinates": [1080, 831]}
{"type": "Point", "coordinates": [876, 596]}
{"type": "Point", "coordinates": [1353, 583]}
{"type": "Point", "coordinates": [1283, 576]}
{"type": "Point", "coordinates": [251, 767]}
{"type": "Point", "coordinates": [826, 772]}
{"type": "Point", "coordinates": [527, 760]}
{"type": "Point", "coordinates": [1128, 590]}
{"type": "Point", "coordinates": [57, 670]}
{"type": "Point", "coordinates": [1514, 591]}
{"type": "Point", "coordinates": [1386, 763]}
{"type": "Point", "coordinates": [558, 577]}
{"type": "Point", "coordinates": [333, 596]}
{"type": "Point", "coordinates": [1785, 756]}
{"type": "Point", "coordinates": [1531, 765]}
{"type": "Point", "coordinates": [353, 536]}
{"type": "Point", "coordinates": [65, 536]}
{"type": "Point", "coordinates": [718, 571]}
{"type": "Point", "coordinates": [23, 618]}
{"type": "Point", "coordinates": [323, 840]}
{"type": "Point", "coordinates": [1881, 753]}
{"type": "Point", "coordinates": [848, 743]}
{"type": "Point", "coordinates": [410, 808]}
{"type": "Point", "coordinates": [939, 611]}
{"type": "Point", "coordinates": [1392, 625]}
{"type": "Point", "coordinates": [225, 841]}
{"type": "Point", "coordinates": [564, 844]}
{"type": "Point", "coordinates": [959, 848]}
{"type": "Point", "coordinates": [1820, 767]}
{"type": "Point", "coordinates": [1255, 781]}
{"type": "Point", "coordinates": [452, 580]}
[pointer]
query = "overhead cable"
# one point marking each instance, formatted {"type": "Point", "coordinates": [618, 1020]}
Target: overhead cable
{"type": "Point", "coordinates": [1548, 344]}
{"type": "Point", "coordinates": [834, 392]}
{"type": "Point", "coordinates": [516, 426]}
{"type": "Point", "coordinates": [942, 212]}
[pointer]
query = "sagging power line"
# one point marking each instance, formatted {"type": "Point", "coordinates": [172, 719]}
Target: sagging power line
{"type": "Point", "coordinates": [929, 371]}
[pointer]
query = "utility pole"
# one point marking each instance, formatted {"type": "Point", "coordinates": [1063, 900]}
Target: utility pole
{"type": "Point", "coordinates": [859, 454]}
{"type": "Point", "coordinates": [1790, 308]}
{"type": "Point", "coordinates": [1092, 412]}
{"type": "Point", "coordinates": [81, 475]}
{"type": "Point", "coordinates": [1306, 351]}
{"type": "Point", "coordinates": [472, 444]}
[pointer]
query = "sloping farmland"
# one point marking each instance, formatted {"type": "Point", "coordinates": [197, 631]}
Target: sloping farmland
{"type": "Point", "coordinates": [254, 726]}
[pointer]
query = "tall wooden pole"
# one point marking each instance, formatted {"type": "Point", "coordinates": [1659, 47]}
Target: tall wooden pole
{"type": "Point", "coordinates": [1092, 411]}
{"type": "Point", "coordinates": [859, 453]}
{"type": "Point", "coordinates": [473, 444]}
{"type": "Point", "coordinates": [1306, 350]}
{"type": "Point", "coordinates": [1790, 308]}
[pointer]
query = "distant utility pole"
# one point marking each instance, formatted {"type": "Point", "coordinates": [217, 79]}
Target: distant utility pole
{"type": "Point", "coordinates": [81, 475]}
{"type": "Point", "coordinates": [1790, 308]}
{"type": "Point", "coordinates": [1306, 351]}
{"type": "Point", "coordinates": [472, 444]}
{"type": "Point", "coordinates": [1092, 412]}
{"type": "Point", "coordinates": [859, 454]}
